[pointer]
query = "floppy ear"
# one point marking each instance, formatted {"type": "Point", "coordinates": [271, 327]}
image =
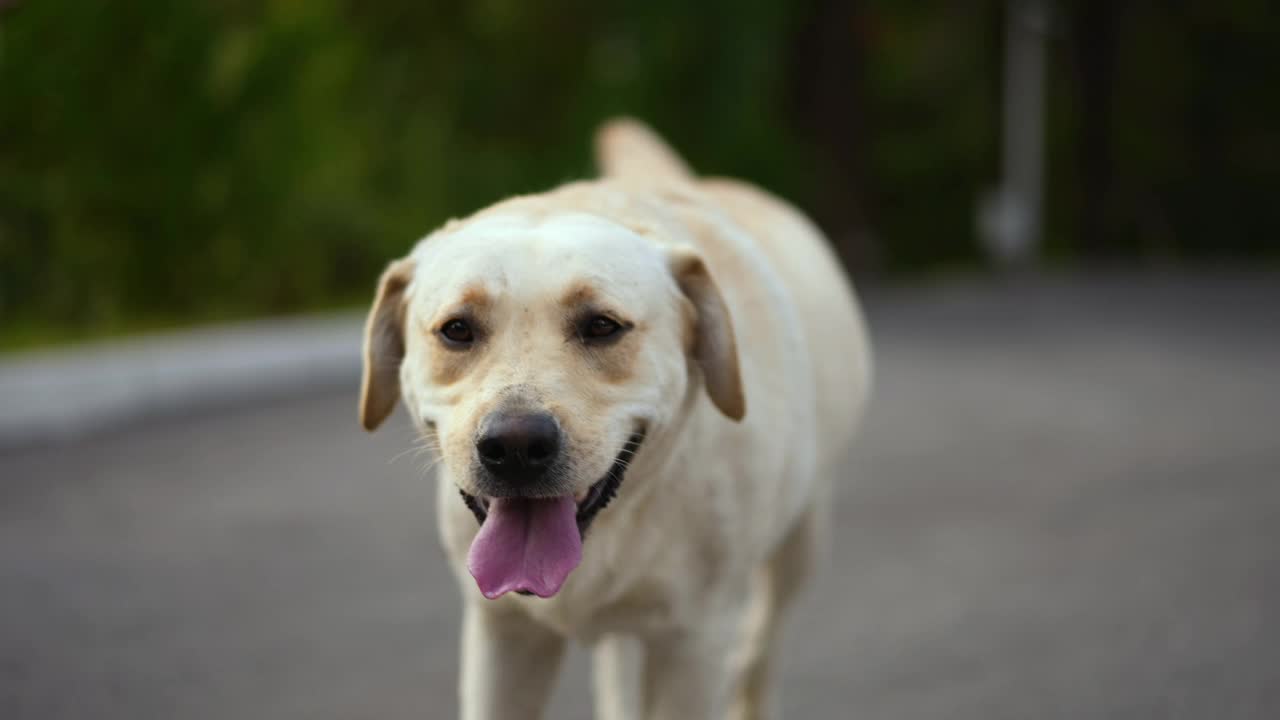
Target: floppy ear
{"type": "Point", "coordinates": [714, 348]}
{"type": "Point", "coordinates": [384, 346]}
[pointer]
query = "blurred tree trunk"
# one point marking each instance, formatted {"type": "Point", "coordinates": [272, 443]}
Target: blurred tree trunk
{"type": "Point", "coordinates": [1094, 33]}
{"type": "Point", "coordinates": [828, 57]}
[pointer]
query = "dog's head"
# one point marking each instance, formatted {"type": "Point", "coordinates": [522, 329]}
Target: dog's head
{"type": "Point", "coordinates": [537, 352]}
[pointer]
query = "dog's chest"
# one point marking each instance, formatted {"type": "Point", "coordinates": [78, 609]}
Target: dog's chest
{"type": "Point", "coordinates": [633, 579]}
{"type": "Point", "coordinates": [586, 615]}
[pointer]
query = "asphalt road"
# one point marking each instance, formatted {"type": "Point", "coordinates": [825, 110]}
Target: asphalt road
{"type": "Point", "coordinates": [1066, 504]}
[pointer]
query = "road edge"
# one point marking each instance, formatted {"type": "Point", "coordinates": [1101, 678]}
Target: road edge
{"type": "Point", "coordinates": [54, 395]}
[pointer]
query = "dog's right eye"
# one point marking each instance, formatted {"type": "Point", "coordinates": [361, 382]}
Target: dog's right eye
{"type": "Point", "coordinates": [457, 332]}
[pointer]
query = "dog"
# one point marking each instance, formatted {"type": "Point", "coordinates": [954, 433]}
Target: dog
{"type": "Point", "coordinates": [641, 388]}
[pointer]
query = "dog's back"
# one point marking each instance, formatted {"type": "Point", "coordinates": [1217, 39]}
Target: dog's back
{"type": "Point", "coordinates": [797, 252]}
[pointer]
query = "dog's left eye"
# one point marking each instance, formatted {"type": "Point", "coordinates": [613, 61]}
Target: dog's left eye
{"type": "Point", "coordinates": [599, 327]}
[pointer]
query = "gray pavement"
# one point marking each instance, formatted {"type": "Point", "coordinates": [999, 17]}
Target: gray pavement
{"type": "Point", "coordinates": [1066, 504]}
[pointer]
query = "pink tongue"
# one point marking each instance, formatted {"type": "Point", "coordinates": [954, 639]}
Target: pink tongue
{"type": "Point", "coordinates": [526, 544]}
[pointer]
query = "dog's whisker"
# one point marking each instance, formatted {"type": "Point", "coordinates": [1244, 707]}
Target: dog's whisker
{"type": "Point", "coordinates": [416, 450]}
{"type": "Point", "coordinates": [401, 454]}
{"type": "Point", "coordinates": [432, 465]}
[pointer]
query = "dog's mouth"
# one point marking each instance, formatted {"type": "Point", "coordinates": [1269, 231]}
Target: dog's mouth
{"type": "Point", "coordinates": [530, 545]}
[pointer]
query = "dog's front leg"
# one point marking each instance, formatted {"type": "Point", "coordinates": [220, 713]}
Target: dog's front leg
{"type": "Point", "coordinates": [617, 662]}
{"type": "Point", "coordinates": [509, 664]}
{"type": "Point", "coordinates": [685, 675]}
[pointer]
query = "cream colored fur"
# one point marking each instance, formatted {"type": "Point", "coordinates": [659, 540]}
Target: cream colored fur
{"type": "Point", "coordinates": [748, 366]}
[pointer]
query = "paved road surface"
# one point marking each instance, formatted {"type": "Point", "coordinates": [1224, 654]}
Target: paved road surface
{"type": "Point", "coordinates": [1066, 504]}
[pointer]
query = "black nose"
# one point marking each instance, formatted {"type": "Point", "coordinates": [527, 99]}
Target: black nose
{"type": "Point", "coordinates": [519, 446]}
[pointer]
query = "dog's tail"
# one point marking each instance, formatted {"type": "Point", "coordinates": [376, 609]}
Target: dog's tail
{"type": "Point", "coordinates": [627, 148]}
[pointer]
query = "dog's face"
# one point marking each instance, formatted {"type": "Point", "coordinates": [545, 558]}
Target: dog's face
{"type": "Point", "coordinates": [537, 354]}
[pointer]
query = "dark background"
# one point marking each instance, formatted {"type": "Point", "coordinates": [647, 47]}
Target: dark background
{"type": "Point", "coordinates": [174, 162]}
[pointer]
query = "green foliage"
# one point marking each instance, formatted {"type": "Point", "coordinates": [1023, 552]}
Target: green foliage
{"type": "Point", "coordinates": [175, 161]}
{"type": "Point", "coordinates": [1194, 136]}
{"type": "Point", "coordinates": [165, 161]}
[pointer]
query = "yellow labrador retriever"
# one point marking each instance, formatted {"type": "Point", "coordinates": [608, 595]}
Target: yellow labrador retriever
{"type": "Point", "coordinates": [641, 387]}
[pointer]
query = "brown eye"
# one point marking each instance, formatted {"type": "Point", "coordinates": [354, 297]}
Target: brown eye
{"type": "Point", "coordinates": [600, 328]}
{"type": "Point", "coordinates": [457, 332]}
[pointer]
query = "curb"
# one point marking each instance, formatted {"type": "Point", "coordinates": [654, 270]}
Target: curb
{"type": "Point", "coordinates": [54, 395]}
